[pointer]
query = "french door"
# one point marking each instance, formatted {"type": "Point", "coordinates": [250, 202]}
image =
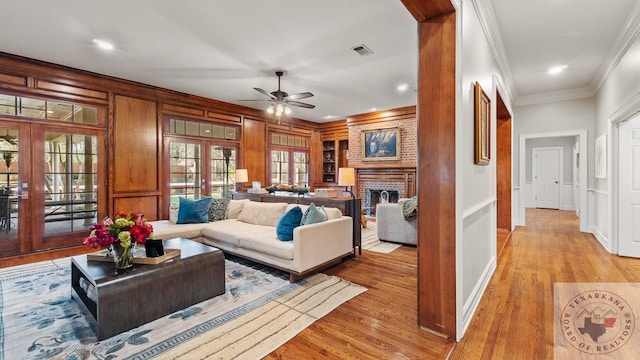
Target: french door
{"type": "Point", "coordinates": [52, 187]}
{"type": "Point", "coordinates": [200, 168]}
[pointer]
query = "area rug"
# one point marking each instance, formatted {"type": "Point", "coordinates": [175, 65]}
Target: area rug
{"type": "Point", "coordinates": [259, 312]}
{"type": "Point", "coordinates": [371, 242]}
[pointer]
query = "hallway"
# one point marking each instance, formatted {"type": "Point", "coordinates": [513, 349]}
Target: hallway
{"type": "Point", "coordinates": [515, 317]}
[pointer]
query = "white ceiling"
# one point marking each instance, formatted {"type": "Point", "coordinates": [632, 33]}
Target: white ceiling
{"type": "Point", "coordinates": [223, 49]}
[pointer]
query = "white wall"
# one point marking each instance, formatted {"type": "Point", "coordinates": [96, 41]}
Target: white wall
{"type": "Point", "coordinates": [476, 184]}
{"type": "Point", "coordinates": [561, 116]}
{"type": "Point", "coordinates": [617, 100]}
{"type": "Point", "coordinates": [565, 142]}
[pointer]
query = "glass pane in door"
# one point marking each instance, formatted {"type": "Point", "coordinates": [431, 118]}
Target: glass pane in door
{"type": "Point", "coordinates": [223, 171]}
{"type": "Point", "coordinates": [9, 180]}
{"type": "Point", "coordinates": [300, 168]}
{"type": "Point", "coordinates": [279, 167]}
{"type": "Point", "coordinates": [70, 177]}
{"type": "Point", "coordinates": [185, 173]}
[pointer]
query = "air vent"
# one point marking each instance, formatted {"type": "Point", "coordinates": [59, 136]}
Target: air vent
{"type": "Point", "coordinates": [362, 50]}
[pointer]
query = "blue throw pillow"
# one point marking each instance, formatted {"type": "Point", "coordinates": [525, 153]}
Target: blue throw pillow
{"type": "Point", "coordinates": [313, 215]}
{"type": "Point", "coordinates": [194, 211]}
{"type": "Point", "coordinates": [289, 221]}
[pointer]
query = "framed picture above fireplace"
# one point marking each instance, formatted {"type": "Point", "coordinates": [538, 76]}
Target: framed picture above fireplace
{"type": "Point", "coordinates": [381, 144]}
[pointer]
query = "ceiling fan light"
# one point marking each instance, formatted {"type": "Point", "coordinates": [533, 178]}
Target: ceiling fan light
{"type": "Point", "coordinates": [270, 109]}
{"type": "Point", "coordinates": [287, 110]}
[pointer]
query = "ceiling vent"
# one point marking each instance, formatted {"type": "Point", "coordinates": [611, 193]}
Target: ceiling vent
{"type": "Point", "coordinates": [362, 50]}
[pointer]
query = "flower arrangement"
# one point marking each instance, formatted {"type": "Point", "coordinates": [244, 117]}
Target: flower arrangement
{"type": "Point", "coordinates": [119, 235]}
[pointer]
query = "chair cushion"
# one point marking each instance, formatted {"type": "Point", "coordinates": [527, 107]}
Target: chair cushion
{"type": "Point", "coordinates": [289, 221]}
{"type": "Point", "coordinates": [230, 230]}
{"type": "Point", "coordinates": [194, 211]}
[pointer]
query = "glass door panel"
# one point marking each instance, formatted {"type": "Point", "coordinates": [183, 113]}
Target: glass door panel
{"type": "Point", "coordinates": [10, 139]}
{"type": "Point", "coordinates": [223, 171]}
{"type": "Point", "coordinates": [71, 180]}
{"type": "Point", "coordinates": [185, 172]}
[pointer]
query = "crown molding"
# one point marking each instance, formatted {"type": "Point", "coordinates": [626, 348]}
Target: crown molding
{"type": "Point", "coordinates": [489, 24]}
{"type": "Point", "coordinates": [625, 39]}
{"type": "Point", "coordinates": [554, 96]}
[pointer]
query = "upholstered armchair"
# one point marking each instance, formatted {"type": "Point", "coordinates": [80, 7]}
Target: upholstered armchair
{"type": "Point", "coordinates": [392, 226]}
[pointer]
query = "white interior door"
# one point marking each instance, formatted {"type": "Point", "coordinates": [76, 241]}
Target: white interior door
{"type": "Point", "coordinates": [546, 177]}
{"type": "Point", "coordinates": [629, 188]}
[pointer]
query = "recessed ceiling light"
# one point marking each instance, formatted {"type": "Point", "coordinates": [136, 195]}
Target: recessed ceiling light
{"type": "Point", "coordinates": [330, 117]}
{"type": "Point", "coordinates": [403, 87]}
{"type": "Point", "coordinates": [102, 44]}
{"type": "Point", "coordinates": [558, 69]}
{"type": "Point", "coordinates": [373, 109]}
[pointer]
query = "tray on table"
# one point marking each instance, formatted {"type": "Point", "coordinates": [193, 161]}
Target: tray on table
{"type": "Point", "coordinates": [102, 256]}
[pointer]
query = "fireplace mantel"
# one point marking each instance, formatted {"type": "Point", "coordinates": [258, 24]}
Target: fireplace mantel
{"type": "Point", "coordinates": [404, 174]}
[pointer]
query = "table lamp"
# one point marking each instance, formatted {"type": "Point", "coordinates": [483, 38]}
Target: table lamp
{"type": "Point", "coordinates": [347, 178]}
{"type": "Point", "coordinates": [241, 177]}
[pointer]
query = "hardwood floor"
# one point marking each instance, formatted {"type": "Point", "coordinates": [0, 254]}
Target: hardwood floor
{"type": "Point", "coordinates": [513, 321]}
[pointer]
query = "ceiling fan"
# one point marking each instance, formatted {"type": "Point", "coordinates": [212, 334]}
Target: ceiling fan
{"type": "Point", "coordinates": [281, 99]}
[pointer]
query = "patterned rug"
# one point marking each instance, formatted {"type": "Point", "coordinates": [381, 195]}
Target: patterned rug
{"type": "Point", "coordinates": [370, 240]}
{"type": "Point", "coordinates": [259, 312]}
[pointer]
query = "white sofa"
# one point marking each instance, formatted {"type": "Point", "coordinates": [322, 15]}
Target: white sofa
{"type": "Point", "coordinates": [392, 226]}
{"type": "Point", "coordinates": [250, 232]}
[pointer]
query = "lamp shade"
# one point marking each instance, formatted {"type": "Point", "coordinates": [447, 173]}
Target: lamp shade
{"type": "Point", "coordinates": [346, 177]}
{"type": "Point", "coordinates": [242, 176]}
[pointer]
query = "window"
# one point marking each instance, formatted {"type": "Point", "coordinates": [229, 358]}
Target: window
{"type": "Point", "coordinates": [202, 159]}
{"type": "Point", "coordinates": [47, 109]}
{"type": "Point", "coordinates": [289, 159]}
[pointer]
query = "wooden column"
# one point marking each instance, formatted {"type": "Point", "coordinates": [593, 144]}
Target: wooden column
{"type": "Point", "coordinates": [436, 164]}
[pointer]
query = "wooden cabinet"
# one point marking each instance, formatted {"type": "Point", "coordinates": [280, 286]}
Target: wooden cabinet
{"type": "Point", "coordinates": [348, 207]}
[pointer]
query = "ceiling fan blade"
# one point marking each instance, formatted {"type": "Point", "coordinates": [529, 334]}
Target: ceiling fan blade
{"type": "Point", "coordinates": [301, 104]}
{"type": "Point", "coordinates": [299, 96]}
{"type": "Point", "coordinates": [265, 93]}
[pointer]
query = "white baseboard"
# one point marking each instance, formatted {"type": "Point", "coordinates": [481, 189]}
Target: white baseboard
{"type": "Point", "coordinates": [603, 240]}
{"type": "Point", "coordinates": [472, 303]}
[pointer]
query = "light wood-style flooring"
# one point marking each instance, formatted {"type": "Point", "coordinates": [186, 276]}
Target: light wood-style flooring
{"type": "Point", "coordinates": [514, 319]}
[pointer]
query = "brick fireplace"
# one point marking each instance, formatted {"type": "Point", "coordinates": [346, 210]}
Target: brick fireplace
{"type": "Point", "coordinates": [399, 178]}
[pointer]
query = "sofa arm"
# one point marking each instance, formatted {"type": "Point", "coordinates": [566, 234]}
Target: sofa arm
{"type": "Point", "coordinates": [318, 243]}
{"type": "Point", "coordinates": [392, 226]}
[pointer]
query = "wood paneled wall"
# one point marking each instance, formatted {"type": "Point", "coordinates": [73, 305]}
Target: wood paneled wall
{"type": "Point", "coordinates": [253, 150]}
{"type": "Point", "coordinates": [135, 177]}
{"type": "Point", "coordinates": [135, 168]}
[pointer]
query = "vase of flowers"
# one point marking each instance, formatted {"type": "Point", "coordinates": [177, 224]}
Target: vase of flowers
{"type": "Point", "coordinates": [120, 235]}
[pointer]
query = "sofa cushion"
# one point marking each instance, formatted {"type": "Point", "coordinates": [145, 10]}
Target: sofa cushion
{"type": "Point", "coordinates": [230, 230]}
{"type": "Point", "coordinates": [218, 209]}
{"type": "Point", "coordinates": [267, 243]}
{"type": "Point", "coordinates": [260, 213]}
{"type": "Point", "coordinates": [313, 215]}
{"type": "Point", "coordinates": [194, 211]}
{"type": "Point", "coordinates": [289, 221]}
{"type": "Point", "coordinates": [235, 207]}
{"type": "Point", "coordinates": [165, 229]}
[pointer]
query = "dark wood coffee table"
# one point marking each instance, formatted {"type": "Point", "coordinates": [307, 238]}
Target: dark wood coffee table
{"type": "Point", "coordinates": [144, 293]}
